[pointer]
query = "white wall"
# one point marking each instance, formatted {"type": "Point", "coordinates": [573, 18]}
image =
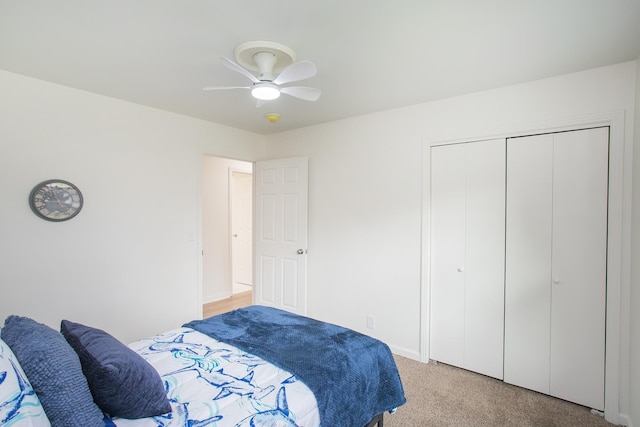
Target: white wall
{"type": "Point", "coordinates": [364, 223]}
{"type": "Point", "coordinates": [128, 263]}
{"type": "Point", "coordinates": [634, 376]}
{"type": "Point", "coordinates": [365, 192]}
{"type": "Point", "coordinates": [216, 259]}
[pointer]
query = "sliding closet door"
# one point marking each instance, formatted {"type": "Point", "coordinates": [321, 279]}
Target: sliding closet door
{"type": "Point", "coordinates": [467, 255]}
{"type": "Point", "coordinates": [556, 258]}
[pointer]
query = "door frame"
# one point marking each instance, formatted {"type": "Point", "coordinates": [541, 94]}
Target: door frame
{"type": "Point", "coordinates": [618, 241]}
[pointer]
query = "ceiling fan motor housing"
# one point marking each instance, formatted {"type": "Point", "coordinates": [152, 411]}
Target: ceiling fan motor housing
{"type": "Point", "coordinates": [265, 61]}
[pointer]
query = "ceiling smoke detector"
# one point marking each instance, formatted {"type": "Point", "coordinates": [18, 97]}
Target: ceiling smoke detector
{"type": "Point", "coordinates": [272, 117]}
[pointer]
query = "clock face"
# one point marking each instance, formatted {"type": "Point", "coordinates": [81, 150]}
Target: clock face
{"type": "Point", "coordinates": [55, 200]}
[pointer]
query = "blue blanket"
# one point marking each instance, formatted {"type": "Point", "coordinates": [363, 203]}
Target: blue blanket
{"type": "Point", "coordinates": [353, 376]}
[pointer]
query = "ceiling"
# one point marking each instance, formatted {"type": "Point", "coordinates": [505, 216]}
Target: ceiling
{"type": "Point", "coordinates": [371, 55]}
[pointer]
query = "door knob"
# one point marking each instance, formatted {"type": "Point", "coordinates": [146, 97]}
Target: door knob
{"type": "Point", "coordinates": [235, 235]}
{"type": "Point", "coordinates": [300, 251]}
{"type": "Point", "coordinates": [460, 269]}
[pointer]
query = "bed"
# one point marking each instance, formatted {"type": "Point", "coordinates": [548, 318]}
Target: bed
{"type": "Point", "coordinates": [256, 366]}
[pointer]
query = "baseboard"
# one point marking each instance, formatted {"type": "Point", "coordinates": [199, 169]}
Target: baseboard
{"type": "Point", "coordinates": [624, 420]}
{"type": "Point", "coordinates": [405, 352]}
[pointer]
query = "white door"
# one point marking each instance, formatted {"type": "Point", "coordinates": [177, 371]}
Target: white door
{"type": "Point", "coordinates": [528, 262]}
{"type": "Point", "coordinates": [556, 264]}
{"type": "Point", "coordinates": [448, 194]}
{"type": "Point", "coordinates": [484, 257]}
{"type": "Point", "coordinates": [579, 266]}
{"type": "Point", "coordinates": [241, 226]}
{"type": "Point", "coordinates": [281, 194]}
{"type": "Point", "coordinates": [467, 255]}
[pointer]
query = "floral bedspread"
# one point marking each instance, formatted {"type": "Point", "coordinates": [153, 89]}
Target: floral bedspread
{"type": "Point", "coordinates": [210, 383]}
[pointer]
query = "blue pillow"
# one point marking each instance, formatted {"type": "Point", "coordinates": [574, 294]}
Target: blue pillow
{"type": "Point", "coordinates": [54, 371]}
{"type": "Point", "coordinates": [123, 384]}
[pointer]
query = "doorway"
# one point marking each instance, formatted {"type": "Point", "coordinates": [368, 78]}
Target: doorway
{"type": "Point", "coordinates": [280, 246]}
{"type": "Point", "coordinates": [223, 216]}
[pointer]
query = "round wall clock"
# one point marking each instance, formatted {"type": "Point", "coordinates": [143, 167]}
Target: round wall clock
{"type": "Point", "coordinates": [55, 200]}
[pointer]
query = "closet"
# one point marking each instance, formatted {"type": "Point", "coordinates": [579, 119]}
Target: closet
{"type": "Point", "coordinates": [518, 257]}
{"type": "Point", "coordinates": [467, 255]}
{"type": "Point", "coordinates": [556, 261]}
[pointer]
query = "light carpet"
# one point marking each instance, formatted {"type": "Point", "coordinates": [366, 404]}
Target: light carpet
{"type": "Point", "coordinates": [442, 395]}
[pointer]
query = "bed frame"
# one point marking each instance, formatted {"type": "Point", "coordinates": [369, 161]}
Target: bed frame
{"type": "Point", "coordinates": [377, 421]}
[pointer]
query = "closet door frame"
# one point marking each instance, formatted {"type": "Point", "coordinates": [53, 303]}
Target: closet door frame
{"type": "Point", "coordinates": [618, 240]}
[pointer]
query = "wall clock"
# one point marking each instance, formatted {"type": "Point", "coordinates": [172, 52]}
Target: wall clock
{"type": "Point", "coordinates": [55, 200]}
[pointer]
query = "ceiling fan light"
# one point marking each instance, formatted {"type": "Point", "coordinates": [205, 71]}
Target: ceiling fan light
{"type": "Point", "coordinates": [265, 91]}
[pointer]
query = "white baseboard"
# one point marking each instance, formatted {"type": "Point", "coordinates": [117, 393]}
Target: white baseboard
{"type": "Point", "coordinates": [400, 351]}
{"type": "Point", "coordinates": [624, 420]}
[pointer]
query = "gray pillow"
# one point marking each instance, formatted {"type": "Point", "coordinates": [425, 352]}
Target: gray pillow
{"type": "Point", "coordinates": [55, 373]}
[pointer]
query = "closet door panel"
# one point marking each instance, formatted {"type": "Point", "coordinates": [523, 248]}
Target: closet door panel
{"type": "Point", "coordinates": [528, 266]}
{"type": "Point", "coordinates": [467, 255]}
{"type": "Point", "coordinates": [579, 266]}
{"type": "Point", "coordinates": [447, 253]}
{"type": "Point", "coordinates": [484, 266]}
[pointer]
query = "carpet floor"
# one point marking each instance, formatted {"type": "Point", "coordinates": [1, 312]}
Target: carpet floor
{"type": "Point", "coordinates": [442, 395]}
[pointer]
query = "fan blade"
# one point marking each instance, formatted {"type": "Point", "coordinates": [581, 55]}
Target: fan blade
{"type": "Point", "coordinates": [235, 67]}
{"type": "Point", "coordinates": [224, 87]}
{"type": "Point", "coordinates": [295, 72]}
{"type": "Point", "coordinates": [302, 92]}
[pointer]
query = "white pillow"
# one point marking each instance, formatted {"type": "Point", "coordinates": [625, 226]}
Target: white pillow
{"type": "Point", "coordinates": [19, 405]}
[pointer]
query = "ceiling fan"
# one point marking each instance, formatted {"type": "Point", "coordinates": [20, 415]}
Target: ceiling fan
{"type": "Point", "coordinates": [268, 59]}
